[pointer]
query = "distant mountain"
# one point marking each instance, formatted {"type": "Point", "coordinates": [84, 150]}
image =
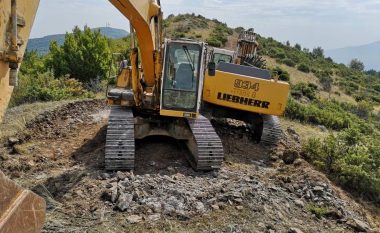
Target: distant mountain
{"type": "Point", "coordinates": [41, 45]}
{"type": "Point", "coordinates": [369, 54]}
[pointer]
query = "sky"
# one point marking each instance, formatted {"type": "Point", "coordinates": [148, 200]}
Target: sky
{"type": "Point", "coordinates": [327, 23]}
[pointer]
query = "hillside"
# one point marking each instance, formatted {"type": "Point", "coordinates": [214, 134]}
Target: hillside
{"type": "Point", "coordinates": [369, 54]}
{"type": "Point", "coordinates": [41, 45]}
{"type": "Point", "coordinates": [323, 176]}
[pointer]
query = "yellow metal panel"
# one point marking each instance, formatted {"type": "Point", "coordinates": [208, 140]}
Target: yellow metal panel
{"type": "Point", "coordinates": [5, 89]}
{"type": "Point", "coordinates": [172, 113]}
{"type": "Point", "coordinates": [26, 10]}
{"type": "Point", "coordinates": [246, 93]}
{"type": "Point", "coordinates": [139, 12]}
{"type": "Point", "coordinates": [124, 78]}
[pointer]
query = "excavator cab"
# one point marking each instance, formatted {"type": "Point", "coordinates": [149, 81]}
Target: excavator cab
{"type": "Point", "coordinates": [182, 78]}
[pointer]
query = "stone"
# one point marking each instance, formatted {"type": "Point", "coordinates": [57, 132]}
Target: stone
{"type": "Point", "coordinates": [124, 201]}
{"type": "Point", "coordinates": [291, 130]}
{"type": "Point", "coordinates": [168, 209]}
{"type": "Point", "coordinates": [120, 175]}
{"type": "Point", "coordinates": [200, 207]}
{"type": "Point", "coordinates": [294, 230]}
{"type": "Point", "coordinates": [154, 217]}
{"type": "Point", "coordinates": [318, 189]}
{"type": "Point", "coordinates": [156, 206]}
{"type": "Point", "coordinates": [290, 156]}
{"type": "Point", "coordinates": [132, 219]}
{"type": "Point", "coordinates": [239, 207]}
{"type": "Point", "coordinates": [215, 207]}
{"type": "Point", "coordinates": [299, 203]}
{"type": "Point", "coordinates": [114, 194]}
{"type": "Point", "coordinates": [322, 128]}
{"type": "Point", "coordinates": [105, 176]}
{"type": "Point", "coordinates": [13, 141]}
{"type": "Point", "coordinates": [298, 162]}
{"type": "Point", "coordinates": [171, 169]}
{"type": "Point", "coordinates": [358, 225]}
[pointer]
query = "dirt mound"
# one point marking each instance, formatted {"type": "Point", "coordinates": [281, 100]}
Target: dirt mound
{"type": "Point", "coordinates": [255, 191]}
{"type": "Point", "coordinates": [55, 124]}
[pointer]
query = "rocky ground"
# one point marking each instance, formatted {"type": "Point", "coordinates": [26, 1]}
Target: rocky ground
{"type": "Point", "coordinates": [259, 189]}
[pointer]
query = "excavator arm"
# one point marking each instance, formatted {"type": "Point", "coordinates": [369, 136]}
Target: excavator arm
{"type": "Point", "coordinates": [17, 18]}
{"type": "Point", "coordinates": [140, 14]}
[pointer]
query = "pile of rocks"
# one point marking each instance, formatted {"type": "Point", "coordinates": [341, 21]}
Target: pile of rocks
{"type": "Point", "coordinates": [181, 195]}
{"type": "Point", "coordinates": [187, 194]}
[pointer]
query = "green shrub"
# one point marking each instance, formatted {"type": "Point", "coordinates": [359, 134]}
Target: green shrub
{"type": "Point", "coordinates": [308, 90]}
{"type": "Point", "coordinates": [327, 113]}
{"type": "Point", "coordinates": [44, 87]}
{"type": "Point", "coordinates": [351, 158]}
{"type": "Point", "coordinates": [304, 68]}
{"type": "Point", "coordinates": [318, 211]}
{"type": "Point", "coordinates": [288, 62]}
{"type": "Point", "coordinates": [214, 42]}
{"type": "Point", "coordinates": [283, 75]}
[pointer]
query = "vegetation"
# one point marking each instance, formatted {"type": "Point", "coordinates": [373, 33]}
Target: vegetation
{"type": "Point", "coordinates": [351, 158]}
{"type": "Point", "coordinates": [74, 70]}
{"type": "Point", "coordinates": [318, 211]}
{"type": "Point", "coordinates": [356, 64]}
{"type": "Point", "coordinates": [84, 56]}
{"type": "Point", "coordinates": [192, 26]}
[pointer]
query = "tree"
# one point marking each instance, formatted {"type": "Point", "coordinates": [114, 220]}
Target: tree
{"type": "Point", "coordinates": [356, 64]}
{"type": "Point", "coordinates": [85, 56]}
{"type": "Point", "coordinates": [318, 52]}
{"type": "Point", "coordinates": [326, 82]}
{"type": "Point", "coordinates": [298, 47]}
{"type": "Point", "coordinates": [33, 64]}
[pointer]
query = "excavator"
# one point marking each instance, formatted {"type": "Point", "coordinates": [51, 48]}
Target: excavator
{"type": "Point", "coordinates": [240, 90]}
{"type": "Point", "coordinates": [158, 92]}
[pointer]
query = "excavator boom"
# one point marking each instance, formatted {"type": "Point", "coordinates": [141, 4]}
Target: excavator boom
{"type": "Point", "coordinates": [140, 14]}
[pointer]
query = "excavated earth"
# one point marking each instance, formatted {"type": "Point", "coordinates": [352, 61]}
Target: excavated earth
{"type": "Point", "coordinates": [60, 155]}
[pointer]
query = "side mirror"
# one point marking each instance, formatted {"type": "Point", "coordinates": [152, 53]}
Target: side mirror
{"type": "Point", "coordinates": [211, 68]}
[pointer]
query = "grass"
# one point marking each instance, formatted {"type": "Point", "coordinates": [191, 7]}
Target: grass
{"type": "Point", "coordinates": [318, 211]}
{"type": "Point", "coordinates": [305, 131]}
{"type": "Point", "coordinates": [297, 76]}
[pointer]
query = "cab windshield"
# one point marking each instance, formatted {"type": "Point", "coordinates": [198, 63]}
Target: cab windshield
{"type": "Point", "coordinates": [181, 76]}
{"type": "Point", "coordinates": [218, 58]}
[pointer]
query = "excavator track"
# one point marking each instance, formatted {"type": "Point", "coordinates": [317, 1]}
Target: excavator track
{"type": "Point", "coordinates": [206, 146]}
{"type": "Point", "coordinates": [120, 140]}
{"type": "Point", "coordinates": [272, 131]}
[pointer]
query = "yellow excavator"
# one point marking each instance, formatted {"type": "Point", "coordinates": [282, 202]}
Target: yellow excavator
{"type": "Point", "coordinates": [239, 90]}
{"type": "Point", "coordinates": [158, 91]}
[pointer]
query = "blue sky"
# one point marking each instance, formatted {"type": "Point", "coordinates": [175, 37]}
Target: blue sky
{"type": "Point", "coordinates": [326, 23]}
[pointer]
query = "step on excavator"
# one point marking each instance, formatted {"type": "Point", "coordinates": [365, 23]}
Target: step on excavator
{"type": "Point", "coordinates": [158, 91]}
{"type": "Point", "coordinates": [238, 89]}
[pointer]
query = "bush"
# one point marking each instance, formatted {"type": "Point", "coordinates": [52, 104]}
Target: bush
{"type": "Point", "coordinates": [289, 62]}
{"type": "Point", "coordinates": [326, 82]}
{"type": "Point", "coordinates": [351, 159]}
{"type": "Point", "coordinates": [304, 68]}
{"type": "Point", "coordinates": [214, 42]}
{"type": "Point", "coordinates": [283, 75]}
{"type": "Point", "coordinates": [44, 87]}
{"type": "Point", "coordinates": [327, 113]}
{"type": "Point", "coordinates": [308, 90]}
